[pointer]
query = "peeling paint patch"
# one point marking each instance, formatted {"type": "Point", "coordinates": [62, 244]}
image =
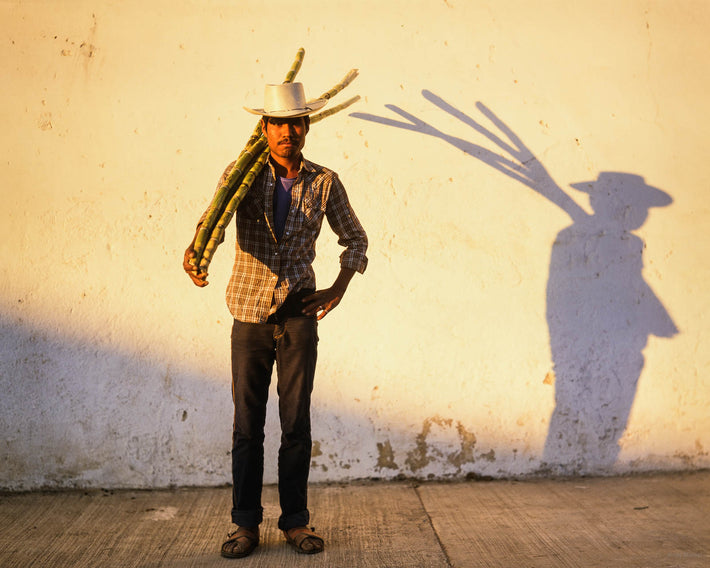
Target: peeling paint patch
{"type": "Point", "coordinates": [317, 451]}
{"type": "Point", "coordinates": [385, 456]}
{"type": "Point", "coordinates": [44, 122]}
{"type": "Point", "coordinates": [489, 456]}
{"type": "Point", "coordinates": [87, 49]}
{"type": "Point", "coordinates": [426, 451]}
{"type": "Point", "coordinates": [467, 441]}
{"type": "Point", "coordinates": [549, 378]}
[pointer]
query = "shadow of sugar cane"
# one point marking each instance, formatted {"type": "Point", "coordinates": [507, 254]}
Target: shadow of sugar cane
{"type": "Point", "coordinates": [600, 311]}
{"type": "Point", "coordinates": [519, 170]}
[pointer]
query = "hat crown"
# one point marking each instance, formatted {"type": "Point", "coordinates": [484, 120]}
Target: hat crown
{"type": "Point", "coordinates": [287, 100]}
{"type": "Point", "coordinates": [284, 97]}
{"type": "Point", "coordinates": [629, 188]}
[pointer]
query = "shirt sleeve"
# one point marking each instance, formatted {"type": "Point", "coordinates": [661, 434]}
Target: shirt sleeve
{"type": "Point", "coordinates": [345, 224]}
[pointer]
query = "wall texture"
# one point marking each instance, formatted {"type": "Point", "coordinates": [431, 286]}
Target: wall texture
{"type": "Point", "coordinates": [533, 178]}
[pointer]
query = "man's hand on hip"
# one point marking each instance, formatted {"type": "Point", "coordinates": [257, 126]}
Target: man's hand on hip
{"type": "Point", "coordinates": [325, 301]}
{"type": "Point", "coordinates": [321, 302]}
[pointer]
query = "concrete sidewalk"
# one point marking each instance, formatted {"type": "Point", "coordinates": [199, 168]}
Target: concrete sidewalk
{"type": "Point", "coordinates": [648, 521]}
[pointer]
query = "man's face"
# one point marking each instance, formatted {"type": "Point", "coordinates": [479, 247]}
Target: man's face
{"type": "Point", "coordinates": [285, 136]}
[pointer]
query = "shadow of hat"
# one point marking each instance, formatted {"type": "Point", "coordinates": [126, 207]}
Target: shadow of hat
{"type": "Point", "coordinates": [629, 187]}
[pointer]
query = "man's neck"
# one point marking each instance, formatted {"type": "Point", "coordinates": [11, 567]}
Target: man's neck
{"type": "Point", "coordinates": [286, 168]}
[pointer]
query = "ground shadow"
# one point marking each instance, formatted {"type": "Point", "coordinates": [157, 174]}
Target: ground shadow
{"type": "Point", "coordinates": [600, 310]}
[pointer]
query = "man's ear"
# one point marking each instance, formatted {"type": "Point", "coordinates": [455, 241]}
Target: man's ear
{"type": "Point", "coordinates": [263, 124]}
{"type": "Point", "coordinates": [307, 122]}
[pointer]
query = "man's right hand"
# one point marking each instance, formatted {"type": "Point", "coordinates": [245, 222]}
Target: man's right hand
{"type": "Point", "coordinates": [198, 278]}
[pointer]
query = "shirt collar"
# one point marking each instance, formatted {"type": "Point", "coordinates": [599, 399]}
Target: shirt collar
{"type": "Point", "coordinates": [306, 165]}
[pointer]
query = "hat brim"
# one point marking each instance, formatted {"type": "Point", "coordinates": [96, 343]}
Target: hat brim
{"type": "Point", "coordinates": [310, 108]}
{"type": "Point", "coordinates": [646, 195]}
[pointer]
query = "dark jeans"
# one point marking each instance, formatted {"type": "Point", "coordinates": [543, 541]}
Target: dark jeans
{"type": "Point", "coordinates": [290, 340]}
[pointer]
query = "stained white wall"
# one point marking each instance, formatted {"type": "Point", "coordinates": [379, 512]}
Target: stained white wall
{"type": "Point", "coordinates": [507, 324]}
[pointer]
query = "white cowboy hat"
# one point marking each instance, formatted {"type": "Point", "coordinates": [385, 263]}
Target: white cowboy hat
{"type": "Point", "coordinates": [287, 100]}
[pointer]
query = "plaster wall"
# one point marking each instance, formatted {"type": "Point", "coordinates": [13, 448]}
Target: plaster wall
{"type": "Point", "coordinates": [508, 323]}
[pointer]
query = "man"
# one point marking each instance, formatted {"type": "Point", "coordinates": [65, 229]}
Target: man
{"type": "Point", "coordinates": [272, 296]}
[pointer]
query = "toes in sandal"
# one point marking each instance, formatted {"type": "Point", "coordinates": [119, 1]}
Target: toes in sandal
{"type": "Point", "coordinates": [304, 540]}
{"type": "Point", "coordinates": [241, 542]}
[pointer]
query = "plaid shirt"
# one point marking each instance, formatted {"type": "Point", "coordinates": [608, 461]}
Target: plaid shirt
{"type": "Point", "coordinates": [266, 271]}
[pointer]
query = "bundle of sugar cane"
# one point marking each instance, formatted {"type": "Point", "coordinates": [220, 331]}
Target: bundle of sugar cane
{"type": "Point", "coordinates": [243, 173]}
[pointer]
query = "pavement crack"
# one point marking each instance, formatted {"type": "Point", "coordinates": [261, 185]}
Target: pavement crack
{"type": "Point", "coordinates": [433, 528]}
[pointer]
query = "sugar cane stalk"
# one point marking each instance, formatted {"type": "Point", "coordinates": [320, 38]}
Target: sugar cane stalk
{"type": "Point", "coordinates": [331, 111]}
{"type": "Point", "coordinates": [244, 172]}
{"type": "Point", "coordinates": [296, 66]}
{"type": "Point", "coordinates": [349, 78]}
{"type": "Point", "coordinates": [218, 232]}
{"type": "Point", "coordinates": [223, 195]}
{"type": "Point", "coordinates": [252, 149]}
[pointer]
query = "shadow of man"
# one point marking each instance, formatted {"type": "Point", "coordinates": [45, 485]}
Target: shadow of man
{"type": "Point", "coordinates": [600, 310]}
{"type": "Point", "coordinates": [600, 313]}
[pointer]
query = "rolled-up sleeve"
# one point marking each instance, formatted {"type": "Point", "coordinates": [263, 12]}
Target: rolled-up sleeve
{"type": "Point", "coordinates": [344, 223]}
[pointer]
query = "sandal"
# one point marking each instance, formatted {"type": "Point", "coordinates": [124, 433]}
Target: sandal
{"type": "Point", "coordinates": [241, 542]}
{"type": "Point", "coordinates": [304, 540]}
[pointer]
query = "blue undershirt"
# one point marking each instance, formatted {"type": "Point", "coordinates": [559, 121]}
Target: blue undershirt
{"type": "Point", "coordinates": [282, 204]}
